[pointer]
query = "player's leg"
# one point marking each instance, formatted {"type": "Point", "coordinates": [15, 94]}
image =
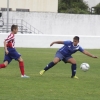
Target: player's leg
{"type": "Point", "coordinates": [73, 67]}
{"type": "Point", "coordinates": [58, 58]}
{"type": "Point", "coordinates": [3, 65]}
{"type": "Point", "coordinates": [21, 66]}
{"type": "Point", "coordinates": [50, 65]}
{"type": "Point", "coordinates": [15, 55]}
{"type": "Point", "coordinates": [7, 60]}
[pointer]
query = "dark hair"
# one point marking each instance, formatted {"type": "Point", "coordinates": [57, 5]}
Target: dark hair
{"type": "Point", "coordinates": [76, 38]}
{"type": "Point", "coordinates": [14, 27]}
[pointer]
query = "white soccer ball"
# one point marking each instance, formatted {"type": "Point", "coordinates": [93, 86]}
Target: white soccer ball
{"type": "Point", "coordinates": [85, 66]}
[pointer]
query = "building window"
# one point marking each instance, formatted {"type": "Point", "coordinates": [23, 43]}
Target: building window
{"type": "Point", "coordinates": [5, 9]}
{"type": "Point", "coordinates": [22, 10]}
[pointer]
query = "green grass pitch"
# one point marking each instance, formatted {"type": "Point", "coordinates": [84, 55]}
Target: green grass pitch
{"type": "Point", "coordinates": [55, 84]}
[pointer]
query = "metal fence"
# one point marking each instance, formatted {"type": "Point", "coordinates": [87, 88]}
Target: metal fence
{"type": "Point", "coordinates": [23, 26]}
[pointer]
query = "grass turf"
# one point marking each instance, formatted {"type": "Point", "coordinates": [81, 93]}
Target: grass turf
{"type": "Point", "coordinates": [55, 84]}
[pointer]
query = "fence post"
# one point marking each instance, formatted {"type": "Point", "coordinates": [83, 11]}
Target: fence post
{"type": "Point", "coordinates": [21, 26]}
{"type": "Point", "coordinates": [30, 29]}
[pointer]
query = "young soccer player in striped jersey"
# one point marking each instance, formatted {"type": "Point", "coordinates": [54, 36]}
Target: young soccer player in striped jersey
{"type": "Point", "coordinates": [65, 53]}
{"type": "Point", "coordinates": [11, 53]}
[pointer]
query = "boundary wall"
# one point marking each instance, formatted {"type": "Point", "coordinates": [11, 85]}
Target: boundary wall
{"type": "Point", "coordinates": [60, 24]}
{"type": "Point", "coordinates": [43, 41]}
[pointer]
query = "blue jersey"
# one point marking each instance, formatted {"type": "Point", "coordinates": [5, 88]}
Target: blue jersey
{"type": "Point", "coordinates": [68, 49]}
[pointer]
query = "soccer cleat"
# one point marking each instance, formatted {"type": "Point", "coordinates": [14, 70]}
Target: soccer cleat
{"type": "Point", "coordinates": [42, 72]}
{"type": "Point", "coordinates": [75, 77]}
{"type": "Point", "coordinates": [24, 76]}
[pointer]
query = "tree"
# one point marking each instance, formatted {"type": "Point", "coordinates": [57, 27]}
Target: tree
{"type": "Point", "coordinates": [73, 6]}
{"type": "Point", "coordinates": [97, 9]}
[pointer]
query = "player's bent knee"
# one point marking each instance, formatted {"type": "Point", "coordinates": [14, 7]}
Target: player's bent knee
{"type": "Point", "coordinates": [73, 62]}
{"type": "Point", "coordinates": [5, 64]}
{"type": "Point", "coordinates": [55, 61]}
{"type": "Point", "coordinates": [20, 59]}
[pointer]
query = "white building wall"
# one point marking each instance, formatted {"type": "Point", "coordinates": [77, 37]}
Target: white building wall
{"type": "Point", "coordinates": [33, 5]}
{"type": "Point", "coordinates": [57, 27]}
{"type": "Point", "coordinates": [62, 24]}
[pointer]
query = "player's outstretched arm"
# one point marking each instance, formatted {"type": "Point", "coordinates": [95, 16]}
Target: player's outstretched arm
{"type": "Point", "coordinates": [89, 54]}
{"type": "Point", "coordinates": [57, 42]}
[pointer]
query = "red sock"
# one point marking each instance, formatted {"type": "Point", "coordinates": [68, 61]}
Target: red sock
{"type": "Point", "coordinates": [2, 66]}
{"type": "Point", "coordinates": [21, 66]}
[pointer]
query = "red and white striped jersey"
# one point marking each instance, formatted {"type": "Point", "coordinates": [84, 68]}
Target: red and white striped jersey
{"type": "Point", "coordinates": [10, 40]}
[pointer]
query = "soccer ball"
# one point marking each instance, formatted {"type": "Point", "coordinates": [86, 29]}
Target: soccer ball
{"type": "Point", "coordinates": [85, 66]}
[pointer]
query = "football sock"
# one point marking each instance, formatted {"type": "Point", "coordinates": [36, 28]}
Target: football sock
{"type": "Point", "coordinates": [21, 66]}
{"type": "Point", "coordinates": [73, 68]}
{"type": "Point", "coordinates": [2, 66]}
{"type": "Point", "coordinates": [50, 65]}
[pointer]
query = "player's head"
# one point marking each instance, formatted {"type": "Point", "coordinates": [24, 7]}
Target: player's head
{"type": "Point", "coordinates": [14, 29]}
{"type": "Point", "coordinates": [76, 40]}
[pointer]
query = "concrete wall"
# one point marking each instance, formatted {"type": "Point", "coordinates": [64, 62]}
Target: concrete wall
{"type": "Point", "coordinates": [43, 41]}
{"type": "Point", "coordinates": [57, 27]}
{"type": "Point", "coordinates": [33, 5]}
{"type": "Point", "coordinates": [62, 24]}
{"type": "Point", "coordinates": [92, 3]}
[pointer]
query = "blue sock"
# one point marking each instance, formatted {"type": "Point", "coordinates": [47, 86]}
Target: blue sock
{"type": "Point", "coordinates": [50, 65]}
{"type": "Point", "coordinates": [73, 68]}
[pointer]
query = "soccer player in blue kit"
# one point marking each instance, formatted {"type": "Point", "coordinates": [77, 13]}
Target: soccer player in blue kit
{"type": "Point", "coordinates": [65, 53]}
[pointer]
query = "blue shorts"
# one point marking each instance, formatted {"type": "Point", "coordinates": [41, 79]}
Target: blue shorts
{"type": "Point", "coordinates": [61, 57]}
{"type": "Point", "coordinates": [13, 54]}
